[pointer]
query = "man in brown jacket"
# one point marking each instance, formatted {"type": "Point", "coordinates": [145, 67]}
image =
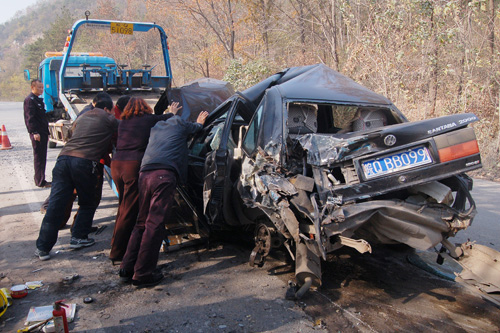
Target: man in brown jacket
{"type": "Point", "coordinates": [77, 167]}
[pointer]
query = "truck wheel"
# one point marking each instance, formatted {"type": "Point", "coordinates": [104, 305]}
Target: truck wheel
{"type": "Point", "coordinates": [52, 144]}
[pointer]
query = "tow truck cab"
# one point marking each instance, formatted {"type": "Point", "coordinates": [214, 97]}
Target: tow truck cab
{"type": "Point", "coordinates": [71, 80]}
{"type": "Point", "coordinates": [49, 75]}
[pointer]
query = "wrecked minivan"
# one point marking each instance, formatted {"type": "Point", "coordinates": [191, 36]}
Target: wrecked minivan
{"type": "Point", "coordinates": [312, 161]}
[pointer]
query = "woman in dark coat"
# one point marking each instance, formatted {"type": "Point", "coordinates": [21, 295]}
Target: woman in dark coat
{"type": "Point", "coordinates": [137, 120]}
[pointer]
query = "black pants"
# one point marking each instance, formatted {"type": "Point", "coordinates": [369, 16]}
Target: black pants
{"type": "Point", "coordinates": [70, 173]}
{"type": "Point", "coordinates": [39, 157]}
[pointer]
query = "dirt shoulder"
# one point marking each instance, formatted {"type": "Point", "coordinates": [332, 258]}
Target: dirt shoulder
{"type": "Point", "coordinates": [212, 288]}
{"type": "Point", "coordinates": [207, 289]}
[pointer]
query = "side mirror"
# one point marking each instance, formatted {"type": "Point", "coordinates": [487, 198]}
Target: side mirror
{"type": "Point", "coordinates": [27, 76]}
{"type": "Point", "coordinates": [238, 151]}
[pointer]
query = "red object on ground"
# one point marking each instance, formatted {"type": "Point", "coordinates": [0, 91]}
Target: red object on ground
{"type": "Point", "coordinates": [60, 321]}
{"type": "Point", "coordinates": [18, 291]}
{"type": "Point", "coordinates": [5, 139]}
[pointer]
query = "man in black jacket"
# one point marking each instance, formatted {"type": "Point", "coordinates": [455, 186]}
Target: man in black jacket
{"type": "Point", "coordinates": [37, 125]}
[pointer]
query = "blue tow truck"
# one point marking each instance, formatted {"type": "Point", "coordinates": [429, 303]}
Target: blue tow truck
{"type": "Point", "coordinates": [72, 79]}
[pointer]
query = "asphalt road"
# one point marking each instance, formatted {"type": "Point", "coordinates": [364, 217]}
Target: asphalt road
{"type": "Point", "coordinates": [485, 228]}
{"type": "Point", "coordinates": [212, 289]}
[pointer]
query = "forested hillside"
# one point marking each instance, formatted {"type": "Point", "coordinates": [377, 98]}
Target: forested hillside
{"type": "Point", "coordinates": [431, 57]}
{"type": "Point", "coordinates": [22, 33]}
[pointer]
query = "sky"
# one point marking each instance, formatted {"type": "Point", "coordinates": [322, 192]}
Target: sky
{"type": "Point", "coordinates": [10, 7]}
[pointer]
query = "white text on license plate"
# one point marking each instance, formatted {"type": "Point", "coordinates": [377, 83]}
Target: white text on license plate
{"type": "Point", "coordinates": [408, 159]}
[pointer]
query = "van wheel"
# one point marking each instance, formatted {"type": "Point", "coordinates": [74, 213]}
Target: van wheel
{"type": "Point", "coordinates": [52, 144]}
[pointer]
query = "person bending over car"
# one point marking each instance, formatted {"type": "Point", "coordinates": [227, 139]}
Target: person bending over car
{"type": "Point", "coordinates": [77, 167]}
{"type": "Point", "coordinates": [163, 165]}
{"type": "Point", "coordinates": [133, 134]}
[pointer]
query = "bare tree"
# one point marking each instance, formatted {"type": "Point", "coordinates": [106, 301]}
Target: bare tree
{"type": "Point", "coordinates": [217, 16]}
{"type": "Point", "coordinates": [491, 25]}
{"type": "Point", "coordinates": [322, 17]}
{"type": "Point", "coordinates": [433, 68]}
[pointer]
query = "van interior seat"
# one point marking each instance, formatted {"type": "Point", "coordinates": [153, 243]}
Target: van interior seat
{"type": "Point", "coordinates": [302, 119]}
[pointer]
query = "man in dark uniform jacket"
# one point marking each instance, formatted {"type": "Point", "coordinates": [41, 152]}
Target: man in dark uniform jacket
{"type": "Point", "coordinates": [37, 125]}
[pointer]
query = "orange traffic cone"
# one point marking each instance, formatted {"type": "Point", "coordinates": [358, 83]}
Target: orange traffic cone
{"type": "Point", "coordinates": [5, 139]}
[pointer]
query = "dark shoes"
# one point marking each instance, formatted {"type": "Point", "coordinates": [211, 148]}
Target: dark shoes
{"type": "Point", "coordinates": [115, 261]}
{"type": "Point", "coordinates": [42, 255]}
{"type": "Point", "coordinates": [77, 243]}
{"type": "Point", "coordinates": [149, 281]}
{"type": "Point", "coordinates": [125, 277]}
{"type": "Point", "coordinates": [45, 184]}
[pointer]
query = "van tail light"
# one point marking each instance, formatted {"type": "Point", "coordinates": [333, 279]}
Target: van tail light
{"type": "Point", "coordinates": [457, 144]}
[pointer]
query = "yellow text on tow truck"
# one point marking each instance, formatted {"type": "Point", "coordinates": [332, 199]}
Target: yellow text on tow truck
{"type": "Point", "coordinates": [122, 28]}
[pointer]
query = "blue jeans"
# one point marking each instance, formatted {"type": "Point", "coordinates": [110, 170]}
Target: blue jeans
{"type": "Point", "coordinates": [69, 173]}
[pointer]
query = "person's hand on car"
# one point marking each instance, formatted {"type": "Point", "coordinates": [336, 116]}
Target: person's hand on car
{"type": "Point", "coordinates": [174, 107]}
{"type": "Point", "coordinates": [202, 117]}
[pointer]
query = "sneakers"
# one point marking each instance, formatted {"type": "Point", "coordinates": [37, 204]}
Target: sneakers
{"type": "Point", "coordinates": [77, 243]}
{"type": "Point", "coordinates": [42, 255]}
{"type": "Point", "coordinates": [125, 277]}
{"type": "Point", "coordinates": [149, 281]}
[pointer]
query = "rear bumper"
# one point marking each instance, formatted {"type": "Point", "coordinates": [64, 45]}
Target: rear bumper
{"type": "Point", "coordinates": [397, 221]}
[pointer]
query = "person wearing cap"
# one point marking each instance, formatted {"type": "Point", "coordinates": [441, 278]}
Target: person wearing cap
{"type": "Point", "coordinates": [37, 125]}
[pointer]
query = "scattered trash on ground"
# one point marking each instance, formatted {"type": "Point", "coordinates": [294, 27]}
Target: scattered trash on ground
{"type": "Point", "coordinates": [40, 315]}
{"type": "Point", "coordinates": [18, 291]}
{"type": "Point", "coordinates": [34, 284]}
{"type": "Point", "coordinates": [35, 326]}
{"type": "Point", "coordinates": [70, 278]}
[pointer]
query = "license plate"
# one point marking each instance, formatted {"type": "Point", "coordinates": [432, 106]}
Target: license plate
{"type": "Point", "coordinates": [122, 28]}
{"type": "Point", "coordinates": [408, 159]}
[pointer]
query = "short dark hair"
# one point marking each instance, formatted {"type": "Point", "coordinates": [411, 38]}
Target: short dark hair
{"type": "Point", "coordinates": [103, 100]}
{"type": "Point", "coordinates": [34, 82]}
{"type": "Point", "coordinates": [121, 103]}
